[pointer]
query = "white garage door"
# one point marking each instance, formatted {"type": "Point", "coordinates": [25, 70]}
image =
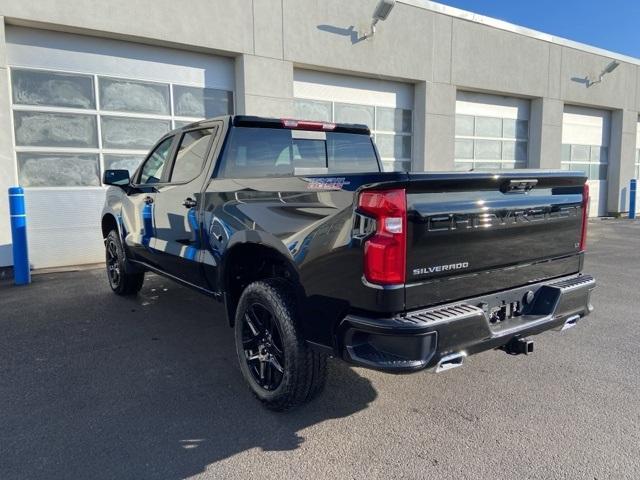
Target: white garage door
{"type": "Point", "coordinates": [492, 132]}
{"type": "Point", "coordinates": [81, 105]}
{"type": "Point", "coordinates": [585, 147]}
{"type": "Point", "coordinates": [386, 107]}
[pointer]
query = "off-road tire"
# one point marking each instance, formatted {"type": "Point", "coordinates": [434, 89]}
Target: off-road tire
{"type": "Point", "coordinates": [123, 283]}
{"type": "Point", "coordinates": [305, 370]}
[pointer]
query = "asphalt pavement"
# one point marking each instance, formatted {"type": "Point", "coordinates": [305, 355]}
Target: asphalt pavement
{"type": "Point", "coordinates": [97, 386]}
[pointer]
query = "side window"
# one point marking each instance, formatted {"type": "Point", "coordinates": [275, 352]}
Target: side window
{"type": "Point", "coordinates": [154, 165]}
{"type": "Point", "coordinates": [191, 156]}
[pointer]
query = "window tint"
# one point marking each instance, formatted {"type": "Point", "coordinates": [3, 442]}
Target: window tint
{"type": "Point", "coordinates": [270, 152]}
{"type": "Point", "coordinates": [191, 155]}
{"type": "Point", "coordinates": [154, 166]}
{"type": "Point", "coordinates": [351, 152]}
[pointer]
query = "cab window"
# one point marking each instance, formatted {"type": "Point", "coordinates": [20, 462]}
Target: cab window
{"type": "Point", "coordinates": [155, 163]}
{"type": "Point", "coordinates": [254, 152]}
{"type": "Point", "coordinates": [191, 155]}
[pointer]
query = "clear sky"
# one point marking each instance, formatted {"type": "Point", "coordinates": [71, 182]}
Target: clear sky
{"type": "Point", "coordinates": [611, 24]}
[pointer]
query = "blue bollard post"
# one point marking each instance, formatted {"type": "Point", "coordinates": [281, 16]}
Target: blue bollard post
{"type": "Point", "coordinates": [632, 198]}
{"type": "Point", "coordinates": [21, 270]}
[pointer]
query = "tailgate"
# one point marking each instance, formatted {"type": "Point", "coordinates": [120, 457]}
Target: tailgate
{"type": "Point", "coordinates": [474, 233]}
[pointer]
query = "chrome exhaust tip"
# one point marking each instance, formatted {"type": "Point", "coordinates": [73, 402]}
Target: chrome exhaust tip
{"type": "Point", "coordinates": [451, 361]}
{"type": "Point", "coordinates": [569, 323]}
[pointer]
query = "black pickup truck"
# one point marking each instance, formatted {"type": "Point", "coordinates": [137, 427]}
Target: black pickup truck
{"type": "Point", "coordinates": [316, 252]}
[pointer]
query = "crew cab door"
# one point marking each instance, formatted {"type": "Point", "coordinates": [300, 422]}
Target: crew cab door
{"type": "Point", "coordinates": [138, 209]}
{"type": "Point", "coordinates": [178, 245]}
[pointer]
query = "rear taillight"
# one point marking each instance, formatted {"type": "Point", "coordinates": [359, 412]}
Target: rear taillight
{"type": "Point", "coordinates": [385, 251]}
{"type": "Point", "coordinates": [585, 217]}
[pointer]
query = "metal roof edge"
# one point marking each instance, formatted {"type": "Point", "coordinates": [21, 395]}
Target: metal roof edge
{"type": "Point", "coordinates": [511, 27]}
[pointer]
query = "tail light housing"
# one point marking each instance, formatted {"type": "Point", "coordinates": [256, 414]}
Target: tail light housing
{"type": "Point", "coordinates": [385, 252]}
{"type": "Point", "coordinates": [585, 217]}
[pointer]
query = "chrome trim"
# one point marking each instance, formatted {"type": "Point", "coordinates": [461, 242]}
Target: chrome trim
{"type": "Point", "coordinates": [569, 323]}
{"type": "Point", "coordinates": [449, 362]}
{"type": "Point", "coordinates": [366, 283]}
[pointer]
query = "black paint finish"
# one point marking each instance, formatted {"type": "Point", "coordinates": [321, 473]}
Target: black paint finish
{"type": "Point", "coordinates": [506, 239]}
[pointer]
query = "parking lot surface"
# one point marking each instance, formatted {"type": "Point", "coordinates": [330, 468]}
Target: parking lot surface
{"type": "Point", "coordinates": [97, 386]}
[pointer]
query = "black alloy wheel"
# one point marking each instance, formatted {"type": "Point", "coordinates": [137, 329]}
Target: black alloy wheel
{"type": "Point", "coordinates": [262, 345]}
{"type": "Point", "coordinates": [113, 264]}
{"type": "Point", "coordinates": [124, 279]}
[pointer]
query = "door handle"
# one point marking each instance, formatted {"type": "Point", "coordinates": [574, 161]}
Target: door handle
{"type": "Point", "coordinates": [189, 202]}
{"type": "Point", "coordinates": [148, 200]}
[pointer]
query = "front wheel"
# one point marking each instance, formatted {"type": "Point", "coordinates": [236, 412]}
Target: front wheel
{"type": "Point", "coordinates": [280, 368]}
{"type": "Point", "coordinates": [121, 282]}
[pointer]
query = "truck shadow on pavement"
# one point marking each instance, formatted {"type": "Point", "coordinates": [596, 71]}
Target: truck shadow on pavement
{"type": "Point", "coordinates": [97, 386]}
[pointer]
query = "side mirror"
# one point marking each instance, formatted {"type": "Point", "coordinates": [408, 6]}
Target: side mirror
{"type": "Point", "coordinates": [119, 178]}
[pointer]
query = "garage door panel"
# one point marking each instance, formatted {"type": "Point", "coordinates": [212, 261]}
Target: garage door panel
{"type": "Point", "coordinates": [585, 148]}
{"type": "Point", "coordinates": [48, 50]}
{"type": "Point", "coordinates": [63, 226]}
{"type": "Point", "coordinates": [492, 132]}
{"type": "Point", "coordinates": [386, 107]}
{"type": "Point", "coordinates": [82, 104]}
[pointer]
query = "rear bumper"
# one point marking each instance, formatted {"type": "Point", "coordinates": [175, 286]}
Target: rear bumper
{"type": "Point", "coordinates": [423, 338]}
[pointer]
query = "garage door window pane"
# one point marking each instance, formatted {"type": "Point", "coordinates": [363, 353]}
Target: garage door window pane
{"type": "Point", "coordinates": [464, 125]}
{"type": "Point", "coordinates": [487, 150]}
{"type": "Point", "coordinates": [58, 170]}
{"type": "Point", "coordinates": [396, 166]}
{"type": "Point", "coordinates": [598, 154]}
{"type": "Point", "coordinates": [393, 120]}
{"type": "Point", "coordinates": [580, 153]}
{"type": "Point", "coordinates": [33, 87]}
{"type": "Point", "coordinates": [514, 151]}
{"type": "Point", "coordinates": [394, 146]}
{"type": "Point", "coordinates": [313, 110]}
{"type": "Point", "coordinates": [191, 155]}
{"type": "Point", "coordinates": [463, 166]}
{"type": "Point", "coordinates": [181, 123]}
{"type": "Point", "coordinates": [132, 96]}
{"type": "Point", "coordinates": [123, 162]}
{"type": "Point", "coordinates": [512, 128]}
{"type": "Point", "coordinates": [488, 127]}
{"type": "Point", "coordinates": [55, 129]}
{"type": "Point", "coordinates": [464, 149]}
{"type": "Point", "coordinates": [361, 114]}
{"type": "Point", "coordinates": [598, 172]}
{"type": "Point", "coordinates": [488, 166]}
{"type": "Point", "coordinates": [580, 167]}
{"type": "Point", "coordinates": [201, 102]}
{"type": "Point", "coordinates": [132, 133]}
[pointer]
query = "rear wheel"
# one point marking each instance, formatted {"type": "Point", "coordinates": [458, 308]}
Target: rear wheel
{"type": "Point", "coordinates": [281, 369]}
{"type": "Point", "coordinates": [121, 282]}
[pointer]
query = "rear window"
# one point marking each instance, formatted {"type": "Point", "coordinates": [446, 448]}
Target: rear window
{"type": "Point", "coordinates": [274, 152]}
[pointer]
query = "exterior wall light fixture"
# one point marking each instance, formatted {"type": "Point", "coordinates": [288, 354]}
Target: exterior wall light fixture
{"type": "Point", "coordinates": [382, 11]}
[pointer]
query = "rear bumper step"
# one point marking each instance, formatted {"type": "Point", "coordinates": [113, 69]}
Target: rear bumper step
{"type": "Point", "coordinates": [441, 337]}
